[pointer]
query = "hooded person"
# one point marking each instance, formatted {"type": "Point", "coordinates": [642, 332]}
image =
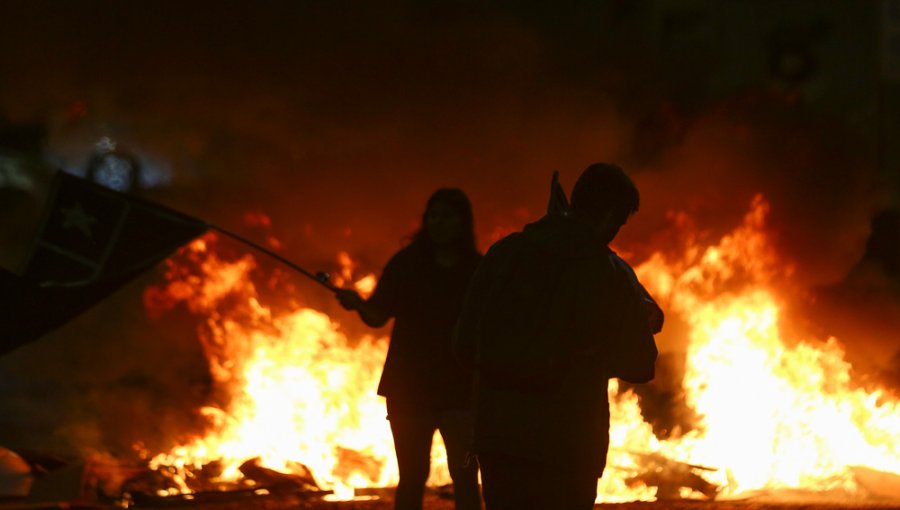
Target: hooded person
{"type": "Point", "coordinates": [550, 316]}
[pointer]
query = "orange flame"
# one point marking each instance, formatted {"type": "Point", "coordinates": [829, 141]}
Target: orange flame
{"type": "Point", "coordinates": [364, 285]}
{"type": "Point", "coordinates": [771, 416]}
{"type": "Point", "coordinates": [296, 389]}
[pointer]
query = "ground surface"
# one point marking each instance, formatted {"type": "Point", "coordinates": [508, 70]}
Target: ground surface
{"type": "Point", "coordinates": [442, 501]}
{"type": "Point", "coordinates": [436, 503]}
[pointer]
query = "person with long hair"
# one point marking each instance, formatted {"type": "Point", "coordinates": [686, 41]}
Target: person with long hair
{"type": "Point", "coordinates": [422, 288]}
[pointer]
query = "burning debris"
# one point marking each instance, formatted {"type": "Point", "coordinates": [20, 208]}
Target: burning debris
{"type": "Point", "coordinates": [769, 413]}
{"type": "Point", "coordinates": [34, 479]}
{"type": "Point", "coordinates": [168, 481]}
{"type": "Point", "coordinates": [292, 407]}
{"type": "Point", "coordinates": [670, 477]}
{"type": "Point", "coordinates": [164, 487]}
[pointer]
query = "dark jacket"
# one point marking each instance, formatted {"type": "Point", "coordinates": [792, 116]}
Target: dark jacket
{"type": "Point", "coordinates": [420, 373]}
{"type": "Point", "coordinates": [551, 314]}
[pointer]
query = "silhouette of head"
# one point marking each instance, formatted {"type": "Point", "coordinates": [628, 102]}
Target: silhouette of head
{"type": "Point", "coordinates": [447, 221]}
{"type": "Point", "coordinates": [605, 197]}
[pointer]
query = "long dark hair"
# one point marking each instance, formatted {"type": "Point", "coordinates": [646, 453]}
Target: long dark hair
{"type": "Point", "coordinates": [459, 202]}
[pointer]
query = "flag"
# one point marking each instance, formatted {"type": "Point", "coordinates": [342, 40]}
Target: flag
{"type": "Point", "coordinates": [558, 203]}
{"type": "Point", "coordinates": [92, 241]}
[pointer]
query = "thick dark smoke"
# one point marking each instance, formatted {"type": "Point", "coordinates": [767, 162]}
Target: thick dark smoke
{"type": "Point", "coordinates": [338, 120]}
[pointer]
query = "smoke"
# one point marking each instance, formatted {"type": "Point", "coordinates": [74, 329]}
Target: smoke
{"type": "Point", "coordinates": [106, 381]}
{"type": "Point", "coordinates": [337, 121]}
{"type": "Point", "coordinates": [324, 116]}
{"type": "Point", "coordinates": [815, 172]}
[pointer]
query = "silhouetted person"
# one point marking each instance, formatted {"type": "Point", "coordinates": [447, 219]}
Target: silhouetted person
{"type": "Point", "coordinates": [551, 315]}
{"type": "Point", "coordinates": [422, 288]}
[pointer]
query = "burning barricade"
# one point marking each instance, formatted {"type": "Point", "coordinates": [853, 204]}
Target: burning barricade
{"type": "Point", "coordinates": [771, 413]}
{"type": "Point", "coordinates": [293, 407]}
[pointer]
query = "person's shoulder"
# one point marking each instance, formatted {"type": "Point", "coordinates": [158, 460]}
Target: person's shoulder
{"type": "Point", "coordinates": [505, 243]}
{"type": "Point", "coordinates": [473, 257]}
{"type": "Point", "coordinates": [403, 258]}
{"type": "Point", "coordinates": [621, 266]}
{"type": "Point", "coordinates": [503, 247]}
{"type": "Point", "coordinates": [406, 252]}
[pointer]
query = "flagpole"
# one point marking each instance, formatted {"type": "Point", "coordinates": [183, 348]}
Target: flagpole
{"type": "Point", "coordinates": [320, 278]}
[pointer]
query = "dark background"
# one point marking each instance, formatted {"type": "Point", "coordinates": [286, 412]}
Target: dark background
{"type": "Point", "coordinates": [338, 119]}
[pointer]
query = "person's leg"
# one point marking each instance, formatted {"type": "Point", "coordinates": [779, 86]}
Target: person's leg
{"type": "Point", "coordinates": [412, 443]}
{"type": "Point", "coordinates": [456, 430]}
{"type": "Point", "coordinates": [512, 484]}
{"type": "Point", "coordinates": [569, 489]}
{"type": "Point", "coordinates": [508, 484]}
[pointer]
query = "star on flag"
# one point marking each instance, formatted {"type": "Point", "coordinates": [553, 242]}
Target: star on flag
{"type": "Point", "coordinates": [76, 217]}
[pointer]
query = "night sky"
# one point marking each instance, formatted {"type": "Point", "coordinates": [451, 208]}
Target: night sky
{"type": "Point", "coordinates": [338, 119]}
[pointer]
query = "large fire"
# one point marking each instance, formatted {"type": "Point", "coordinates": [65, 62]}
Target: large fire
{"type": "Point", "coordinates": [771, 416]}
{"type": "Point", "coordinates": [297, 391]}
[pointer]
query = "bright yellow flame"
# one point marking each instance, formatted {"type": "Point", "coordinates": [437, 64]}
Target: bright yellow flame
{"type": "Point", "coordinates": [366, 285]}
{"type": "Point", "coordinates": [772, 413]}
{"type": "Point", "coordinates": [771, 416]}
{"type": "Point", "coordinates": [299, 391]}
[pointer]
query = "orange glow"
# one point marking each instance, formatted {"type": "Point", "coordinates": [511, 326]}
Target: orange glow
{"type": "Point", "coordinates": [298, 390]}
{"type": "Point", "coordinates": [346, 277]}
{"type": "Point", "coordinates": [773, 412]}
{"type": "Point", "coordinates": [365, 285]}
{"type": "Point", "coordinates": [771, 416]}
